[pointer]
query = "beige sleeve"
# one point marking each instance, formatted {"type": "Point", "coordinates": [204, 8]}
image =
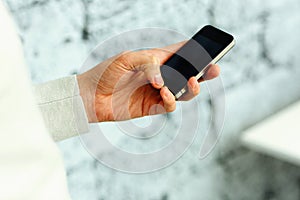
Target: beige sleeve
{"type": "Point", "coordinates": [62, 107]}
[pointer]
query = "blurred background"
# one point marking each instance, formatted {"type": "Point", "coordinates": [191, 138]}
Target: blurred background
{"type": "Point", "coordinates": [260, 76]}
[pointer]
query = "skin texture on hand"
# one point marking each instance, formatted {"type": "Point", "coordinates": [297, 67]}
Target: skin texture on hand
{"type": "Point", "coordinates": [129, 85]}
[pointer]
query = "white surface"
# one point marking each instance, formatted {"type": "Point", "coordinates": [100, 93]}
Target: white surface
{"type": "Point", "coordinates": [31, 165]}
{"type": "Point", "coordinates": [278, 136]}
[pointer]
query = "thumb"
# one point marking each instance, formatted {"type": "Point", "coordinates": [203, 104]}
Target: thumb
{"type": "Point", "coordinates": [149, 64]}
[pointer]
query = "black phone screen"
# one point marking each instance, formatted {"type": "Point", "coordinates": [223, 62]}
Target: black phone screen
{"type": "Point", "coordinates": [193, 57]}
{"type": "Point", "coordinates": [213, 48]}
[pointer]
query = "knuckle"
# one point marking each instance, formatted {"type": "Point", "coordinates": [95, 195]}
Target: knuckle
{"type": "Point", "coordinates": [149, 63]}
{"type": "Point", "coordinates": [154, 59]}
{"type": "Point", "coordinates": [125, 55]}
{"type": "Point", "coordinates": [194, 90]}
{"type": "Point", "coordinates": [197, 91]}
{"type": "Point", "coordinates": [124, 59]}
{"type": "Point", "coordinates": [171, 108]}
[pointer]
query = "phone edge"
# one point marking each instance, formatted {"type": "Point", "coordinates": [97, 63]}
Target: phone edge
{"type": "Point", "coordinates": [214, 61]}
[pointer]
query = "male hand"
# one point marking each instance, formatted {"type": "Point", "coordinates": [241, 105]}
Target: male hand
{"type": "Point", "coordinates": [129, 85]}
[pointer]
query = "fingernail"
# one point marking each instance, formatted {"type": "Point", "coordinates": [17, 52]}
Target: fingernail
{"type": "Point", "coordinates": [158, 80]}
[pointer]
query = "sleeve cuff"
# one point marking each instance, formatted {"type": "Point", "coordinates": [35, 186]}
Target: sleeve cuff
{"type": "Point", "coordinates": [62, 107]}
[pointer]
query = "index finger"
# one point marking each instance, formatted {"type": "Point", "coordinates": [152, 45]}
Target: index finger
{"type": "Point", "coordinates": [164, 53]}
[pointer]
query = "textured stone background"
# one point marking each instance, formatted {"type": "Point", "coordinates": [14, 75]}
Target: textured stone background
{"type": "Point", "coordinates": [260, 77]}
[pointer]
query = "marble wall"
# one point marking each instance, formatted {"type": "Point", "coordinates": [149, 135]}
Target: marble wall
{"type": "Point", "coordinates": [260, 77]}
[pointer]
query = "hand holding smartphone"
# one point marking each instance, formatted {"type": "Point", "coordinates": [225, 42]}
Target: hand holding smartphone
{"type": "Point", "coordinates": [206, 47]}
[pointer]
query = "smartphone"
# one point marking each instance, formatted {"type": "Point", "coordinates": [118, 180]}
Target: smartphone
{"type": "Point", "coordinates": [206, 47]}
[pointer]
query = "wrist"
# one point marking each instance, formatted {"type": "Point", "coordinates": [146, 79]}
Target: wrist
{"type": "Point", "coordinates": [87, 97]}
